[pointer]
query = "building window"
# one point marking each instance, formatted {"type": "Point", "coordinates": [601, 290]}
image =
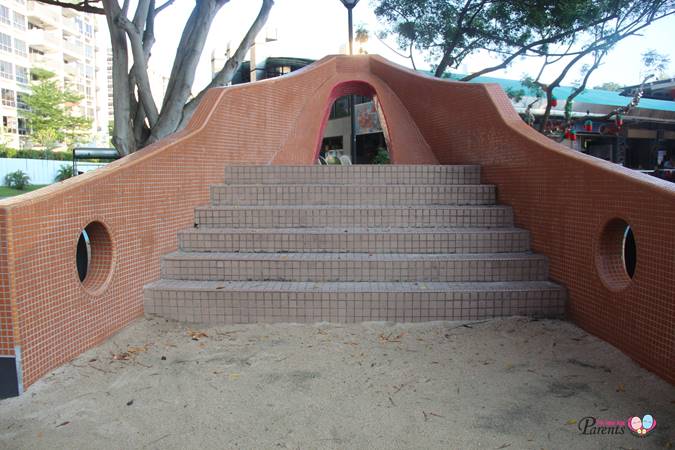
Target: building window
{"type": "Point", "coordinates": [8, 97]}
{"type": "Point", "coordinates": [6, 70]}
{"type": "Point", "coordinates": [88, 30]}
{"type": "Point", "coordinates": [9, 123]}
{"type": "Point", "coordinates": [89, 72]}
{"type": "Point", "coordinates": [88, 91]}
{"type": "Point", "coordinates": [19, 21]}
{"type": "Point", "coordinates": [4, 15]}
{"type": "Point", "coordinates": [89, 52]}
{"type": "Point", "coordinates": [21, 75]}
{"type": "Point", "coordinates": [23, 126]}
{"type": "Point", "coordinates": [5, 42]}
{"type": "Point", "coordinates": [21, 101]}
{"type": "Point", "coordinates": [20, 47]}
{"type": "Point", "coordinates": [277, 71]}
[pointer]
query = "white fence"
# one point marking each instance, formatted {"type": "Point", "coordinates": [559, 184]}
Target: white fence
{"type": "Point", "coordinates": [41, 171]}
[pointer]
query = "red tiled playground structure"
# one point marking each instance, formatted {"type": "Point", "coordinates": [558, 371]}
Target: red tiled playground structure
{"type": "Point", "coordinates": [574, 206]}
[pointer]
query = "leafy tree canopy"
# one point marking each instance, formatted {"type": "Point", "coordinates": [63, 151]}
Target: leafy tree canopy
{"type": "Point", "coordinates": [51, 116]}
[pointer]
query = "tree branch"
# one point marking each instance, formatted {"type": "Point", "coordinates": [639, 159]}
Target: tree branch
{"type": "Point", "coordinates": [85, 6]}
{"type": "Point", "coordinates": [232, 64]}
{"type": "Point", "coordinates": [140, 67]}
{"type": "Point", "coordinates": [162, 7]}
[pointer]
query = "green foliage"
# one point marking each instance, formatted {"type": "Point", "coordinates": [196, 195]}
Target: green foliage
{"type": "Point", "coordinates": [7, 152]}
{"type": "Point", "coordinates": [458, 28]}
{"type": "Point", "coordinates": [65, 172]}
{"type": "Point", "coordinates": [382, 156]}
{"type": "Point", "coordinates": [610, 86]}
{"type": "Point", "coordinates": [449, 31]}
{"type": "Point", "coordinates": [35, 154]}
{"type": "Point", "coordinates": [51, 117]}
{"type": "Point", "coordinates": [361, 34]}
{"type": "Point", "coordinates": [654, 65]}
{"type": "Point", "coordinates": [515, 94]}
{"type": "Point", "coordinates": [17, 180]}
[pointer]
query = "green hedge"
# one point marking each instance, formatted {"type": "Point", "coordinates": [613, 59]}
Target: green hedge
{"type": "Point", "coordinates": [35, 154]}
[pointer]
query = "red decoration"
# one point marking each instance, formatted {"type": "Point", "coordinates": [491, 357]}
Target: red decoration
{"type": "Point", "coordinates": [588, 125]}
{"type": "Point", "coordinates": [567, 133]}
{"type": "Point", "coordinates": [573, 135]}
{"type": "Point", "coordinates": [554, 101]}
{"type": "Point", "coordinates": [619, 121]}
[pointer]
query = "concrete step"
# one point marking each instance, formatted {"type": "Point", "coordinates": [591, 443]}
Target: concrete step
{"type": "Point", "coordinates": [250, 302]}
{"type": "Point", "coordinates": [326, 267]}
{"type": "Point", "coordinates": [361, 174]}
{"type": "Point", "coordinates": [355, 240]}
{"type": "Point", "coordinates": [337, 194]}
{"type": "Point", "coordinates": [353, 216]}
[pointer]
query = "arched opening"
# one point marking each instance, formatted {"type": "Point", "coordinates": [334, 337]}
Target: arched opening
{"type": "Point", "coordinates": [354, 130]}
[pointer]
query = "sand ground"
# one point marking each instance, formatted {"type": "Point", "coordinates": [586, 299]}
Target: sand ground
{"type": "Point", "coordinates": [509, 383]}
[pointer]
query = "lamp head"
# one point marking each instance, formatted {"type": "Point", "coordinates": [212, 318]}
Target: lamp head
{"type": "Point", "coordinates": [349, 3]}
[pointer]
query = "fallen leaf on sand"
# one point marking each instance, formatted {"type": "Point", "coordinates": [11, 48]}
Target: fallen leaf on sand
{"type": "Point", "coordinates": [233, 376]}
{"type": "Point", "coordinates": [63, 424]}
{"type": "Point", "coordinates": [196, 335]}
{"type": "Point", "coordinates": [572, 422]}
{"type": "Point", "coordinates": [391, 338]}
{"type": "Point", "coordinates": [620, 388]}
{"type": "Point", "coordinates": [124, 356]}
{"type": "Point", "coordinates": [134, 350]}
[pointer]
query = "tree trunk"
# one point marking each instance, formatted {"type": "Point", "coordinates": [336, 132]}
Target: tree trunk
{"type": "Point", "coordinates": [123, 136]}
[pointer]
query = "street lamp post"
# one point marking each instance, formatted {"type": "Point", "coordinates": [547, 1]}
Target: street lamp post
{"type": "Point", "coordinates": [350, 4]}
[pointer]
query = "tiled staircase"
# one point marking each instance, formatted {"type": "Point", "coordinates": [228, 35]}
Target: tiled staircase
{"type": "Point", "coordinates": [352, 243]}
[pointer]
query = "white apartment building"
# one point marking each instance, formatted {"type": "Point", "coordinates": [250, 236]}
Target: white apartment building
{"type": "Point", "coordinates": [63, 41]}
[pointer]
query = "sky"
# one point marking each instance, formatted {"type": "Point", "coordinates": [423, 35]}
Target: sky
{"type": "Point", "coordinates": [316, 28]}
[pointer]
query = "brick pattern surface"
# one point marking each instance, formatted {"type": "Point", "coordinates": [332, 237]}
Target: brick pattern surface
{"type": "Point", "coordinates": [353, 216]}
{"type": "Point", "coordinates": [302, 273]}
{"type": "Point", "coordinates": [353, 266]}
{"type": "Point", "coordinates": [339, 194]}
{"type": "Point", "coordinates": [352, 240]}
{"type": "Point", "coordinates": [564, 199]}
{"type": "Point", "coordinates": [244, 302]}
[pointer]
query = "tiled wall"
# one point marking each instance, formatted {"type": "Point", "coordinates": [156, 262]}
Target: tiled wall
{"type": "Point", "coordinates": [142, 201]}
{"type": "Point", "coordinates": [566, 200]}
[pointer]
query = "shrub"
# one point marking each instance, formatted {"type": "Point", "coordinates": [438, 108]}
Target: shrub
{"type": "Point", "coordinates": [17, 180]}
{"type": "Point", "coordinates": [382, 156]}
{"type": "Point", "coordinates": [35, 154]}
{"type": "Point", "coordinates": [65, 172]}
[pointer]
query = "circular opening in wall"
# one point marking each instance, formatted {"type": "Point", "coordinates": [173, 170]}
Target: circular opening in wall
{"type": "Point", "coordinates": [629, 252]}
{"type": "Point", "coordinates": [617, 254]}
{"type": "Point", "coordinates": [94, 256]}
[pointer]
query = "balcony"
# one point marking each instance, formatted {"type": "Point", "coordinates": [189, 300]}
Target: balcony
{"type": "Point", "coordinates": [71, 71]}
{"type": "Point", "coordinates": [46, 16]}
{"type": "Point", "coordinates": [42, 40]}
{"type": "Point", "coordinates": [71, 27]}
{"type": "Point", "coordinates": [42, 61]}
{"type": "Point", "coordinates": [73, 50]}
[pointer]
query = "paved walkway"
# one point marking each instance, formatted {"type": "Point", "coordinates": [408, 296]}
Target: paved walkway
{"type": "Point", "coordinates": [512, 383]}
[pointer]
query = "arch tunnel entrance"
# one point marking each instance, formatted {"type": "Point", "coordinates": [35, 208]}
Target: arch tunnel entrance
{"type": "Point", "coordinates": [354, 131]}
